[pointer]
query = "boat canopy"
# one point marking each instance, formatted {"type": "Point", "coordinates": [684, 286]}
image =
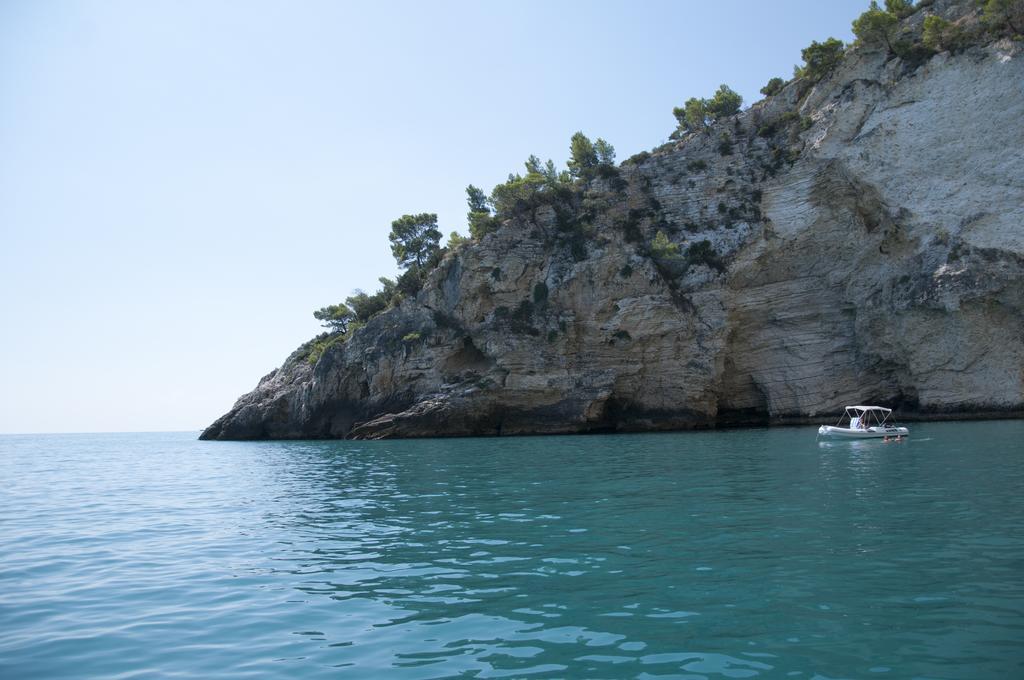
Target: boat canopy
{"type": "Point", "coordinates": [862, 409]}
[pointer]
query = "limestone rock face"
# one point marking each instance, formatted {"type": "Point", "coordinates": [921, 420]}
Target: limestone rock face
{"type": "Point", "coordinates": [865, 242]}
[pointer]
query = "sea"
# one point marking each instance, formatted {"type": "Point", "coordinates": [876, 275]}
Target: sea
{"type": "Point", "coordinates": [748, 553]}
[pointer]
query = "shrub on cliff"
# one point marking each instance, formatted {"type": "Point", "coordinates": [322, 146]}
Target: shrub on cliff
{"type": "Point", "coordinates": [901, 9]}
{"type": "Point", "coordinates": [456, 241]}
{"type": "Point", "coordinates": [639, 158]}
{"type": "Point", "coordinates": [518, 193]}
{"type": "Point", "coordinates": [725, 144]}
{"type": "Point", "coordinates": [876, 27]}
{"type": "Point", "coordinates": [315, 348]}
{"type": "Point", "coordinates": [662, 248]}
{"type": "Point", "coordinates": [1004, 14]}
{"type": "Point", "coordinates": [543, 184]}
{"type": "Point", "coordinates": [410, 281]}
{"type": "Point", "coordinates": [702, 252]}
{"type": "Point", "coordinates": [540, 293]}
{"type": "Point", "coordinates": [773, 87]}
{"type": "Point", "coordinates": [941, 35]}
{"type": "Point", "coordinates": [820, 58]}
{"type": "Point", "coordinates": [366, 306]}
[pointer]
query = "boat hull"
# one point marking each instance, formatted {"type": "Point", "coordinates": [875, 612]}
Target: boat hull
{"type": "Point", "coordinates": [870, 433]}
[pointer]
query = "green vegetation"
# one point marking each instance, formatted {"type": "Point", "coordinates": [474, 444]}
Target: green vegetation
{"type": "Point", "coordinates": [414, 239]}
{"type": "Point", "coordinates": [1004, 14]}
{"type": "Point", "coordinates": [582, 156]}
{"type": "Point", "coordinates": [698, 114]}
{"type": "Point", "coordinates": [690, 117]}
{"type": "Point", "coordinates": [456, 240]}
{"type": "Point", "coordinates": [336, 317]}
{"type": "Point", "coordinates": [876, 27]}
{"type": "Point", "coordinates": [479, 217]}
{"type": "Point", "coordinates": [662, 248]}
{"type": "Point", "coordinates": [940, 35]}
{"type": "Point", "coordinates": [415, 245]}
{"type": "Point", "coordinates": [605, 152]}
{"type": "Point", "coordinates": [316, 347]}
{"type": "Point", "coordinates": [773, 87]}
{"type": "Point", "coordinates": [820, 58]}
{"type": "Point", "coordinates": [639, 158]}
{"type": "Point", "coordinates": [702, 252]}
{"type": "Point", "coordinates": [520, 320]}
{"type": "Point", "coordinates": [586, 157]}
{"type": "Point", "coordinates": [521, 193]}
{"type": "Point", "coordinates": [725, 144]}
{"type": "Point", "coordinates": [901, 9]}
{"type": "Point", "coordinates": [540, 293]}
{"type": "Point", "coordinates": [725, 103]}
{"type": "Point", "coordinates": [364, 307]}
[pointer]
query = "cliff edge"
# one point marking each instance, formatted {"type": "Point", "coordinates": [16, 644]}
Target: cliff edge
{"type": "Point", "coordinates": [856, 239]}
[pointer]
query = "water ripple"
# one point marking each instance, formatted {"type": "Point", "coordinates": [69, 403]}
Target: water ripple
{"type": "Point", "coordinates": [704, 555]}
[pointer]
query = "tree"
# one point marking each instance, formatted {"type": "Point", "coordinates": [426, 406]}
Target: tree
{"type": "Point", "coordinates": [476, 199]}
{"type": "Point", "coordinates": [695, 113]}
{"type": "Point", "coordinates": [1009, 13]}
{"type": "Point", "coordinates": [605, 152]}
{"type": "Point", "coordinates": [388, 289]}
{"type": "Point", "coordinates": [479, 215]}
{"type": "Point", "coordinates": [535, 170]}
{"type": "Point", "coordinates": [336, 317]}
{"type": "Point", "coordinates": [876, 27]}
{"type": "Point", "coordinates": [726, 102]}
{"type": "Point", "coordinates": [692, 115]}
{"type": "Point", "coordinates": [820, 58]}
{"type": "Point", "coordinates": [582, 156]}
{"type": "Point", "coordinates": [773, 87]}
{"type": "Point", "coordinates": [414, 238]}
{"type": "Point", "coordinates": [698, 114]}
{"type": "Point", "coordinates": [550, 172]}
{"type": "Point", "coordinates": [901, 9]}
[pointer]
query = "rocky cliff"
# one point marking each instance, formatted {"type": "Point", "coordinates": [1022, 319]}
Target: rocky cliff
{"type": "Point", "coordinates": [865, 242]}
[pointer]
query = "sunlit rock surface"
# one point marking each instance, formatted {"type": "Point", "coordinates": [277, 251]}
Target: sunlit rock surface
{"type": "Point", "coordinates": [869, 246]}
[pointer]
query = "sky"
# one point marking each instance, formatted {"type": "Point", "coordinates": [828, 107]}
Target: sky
{"type": "Point", "coordinates": [182, 183]}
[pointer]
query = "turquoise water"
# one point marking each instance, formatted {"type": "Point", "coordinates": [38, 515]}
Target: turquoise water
{"type": "Point", "coordinates": [736, 554]}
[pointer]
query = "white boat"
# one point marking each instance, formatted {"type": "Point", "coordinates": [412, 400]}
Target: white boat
{"type": "Point", "coordinates": [866, 422]}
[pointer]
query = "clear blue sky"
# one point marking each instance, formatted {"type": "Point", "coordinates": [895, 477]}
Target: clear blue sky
{"type": "Point", "coordinates": [182, 183]}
